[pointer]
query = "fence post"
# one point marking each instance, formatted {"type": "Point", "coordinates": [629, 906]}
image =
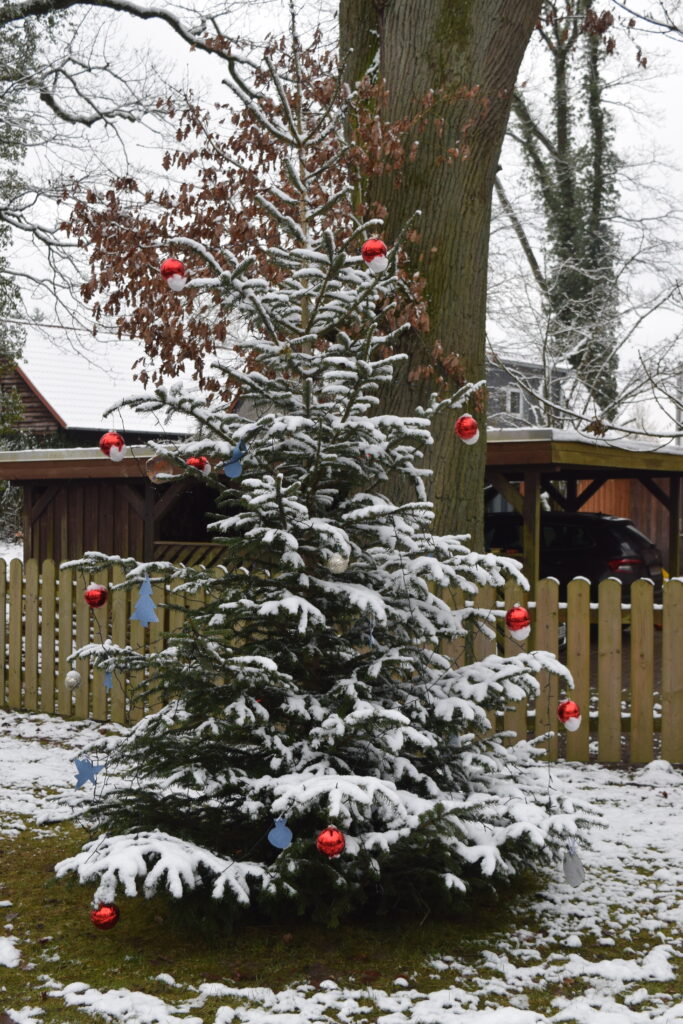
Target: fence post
{"type": "Point", "coordinates": [515, 716]}
{"type": "Point", "coordinates": [16, 633]}
{"type": "Point", "coordinates": [642, 672]}
{"type": "Point", "coordinates": [66, 623]}
{"type": "Point", "coordinates": [609, 671]}
{"type": "Point", "coordinates": [579, 664]}
{"type": "Point", "coordinates": [546, 624]}
{"type": "Point", "coordinates": [31, 620]}
{"type": "Point", "coordinates": [483, 645]}
{"type": "Point", "coordinates": [82, 665]}
{"type": "Point", "coordinates": [48, 636]}
{"type": "Point", "coordinates": [100, 633]}
{"type": "Point", "coordinates": [672, 672]}
{"type": "Point", "coordinates": [119, 635]}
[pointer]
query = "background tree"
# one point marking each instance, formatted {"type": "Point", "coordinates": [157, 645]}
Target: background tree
{"type": "Point", "coordinates": [573, 167]}
{"type": "Point", "coordinates": [468, 55]}
{"type": "Point", "coordinates": [590, 227]}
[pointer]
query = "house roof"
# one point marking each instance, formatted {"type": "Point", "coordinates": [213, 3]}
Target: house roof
{"type": "Point", "coordinates": [511, 450]}
{"type": "Point", "coordinates": [77, 386]}
{"type": "Point", "coordinates": [548, 449]}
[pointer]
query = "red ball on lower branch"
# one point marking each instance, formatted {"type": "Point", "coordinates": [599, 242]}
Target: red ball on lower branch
{"type": "Point", "coordinates": [105, 916]}
{"type": "Point", "coordinates": [95, 595]}
{"type": "Point", "coordinates": [331, 841]}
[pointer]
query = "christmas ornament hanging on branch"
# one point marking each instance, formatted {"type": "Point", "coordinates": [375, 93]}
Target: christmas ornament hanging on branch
{"type": "Point", "coordinates": [280, 836]}
{"type": "Point", "coordinates": [145, 608]}
{"type": "Point", "coordinates": [95, 595]}
{"type": "Point", "coordinates": [159, 469]}
{"type": "Point", "coordinates": [233, 467]}
{"type": "Point", "coordinates": [200, 463]}
{"type": "Point", "coordinates": [331, 841]}
{"type": "Point", "coordinates": [112, 445]}
{"type": "Point", "coordinates": [518, 623]}
{"type": "Point", "coordinates": [105, 916]}
{"type": "Point", "coordinates": [374, 253]}
{"type": "Point", "coordinates": [467, 429]}
{"type": "Point", "coordinates": [174, 274]}
{"type": "Point", "coordinates": [337, 563]}
{"type": "Point", "coordinates": [572, 867]}
{"type": "Point", "coordinates": [72, 680]}
{"type": "Point", "coordinates": [86, 771]}
{"type": "Point", "coordinates": [569, 713]}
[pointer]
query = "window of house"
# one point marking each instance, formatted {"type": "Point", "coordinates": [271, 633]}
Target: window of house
{"type": "Point", "coordinates": [513, 401]}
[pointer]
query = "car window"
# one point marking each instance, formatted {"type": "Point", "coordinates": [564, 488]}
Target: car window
{"type": "Point", "coordinates": [632, 532]}
{"type": "Point", "coordinates": [504, 537]}
{"type": "Point", "coordinates": [566, 537]}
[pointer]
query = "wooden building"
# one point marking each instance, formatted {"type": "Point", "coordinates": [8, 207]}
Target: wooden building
{"type": "Point", "coordinates": [617, 478]}
{"type": "Point", "coordinates": [78, 500]}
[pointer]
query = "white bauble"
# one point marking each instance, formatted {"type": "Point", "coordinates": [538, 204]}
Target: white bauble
{"type": "Point", "coordinates": [72, 680]}
{"type": "Point", "coordinates": [337, 563]}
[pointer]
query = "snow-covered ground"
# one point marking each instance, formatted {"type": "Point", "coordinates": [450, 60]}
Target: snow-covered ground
{"type": "Point", "coordinates": [631, 896]}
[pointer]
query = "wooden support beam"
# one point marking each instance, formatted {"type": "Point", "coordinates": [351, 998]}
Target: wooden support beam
{"type": "Point", "coordinates": [36, 510]}
{"type": "Point", "coordinates": [653, 488]}
{"type": "Point", "coordinates": [169, 498]}
{"type": "Point", "coordinates": [556, 495]}
{"type": "Point", "coordinates": [593, 488]}
{"type": "Point", "coordinates": [531, 528]}
{"type": "Point", "coordinates": [506, 489]}
{"type": "Point", "coordinates": [675, 526]}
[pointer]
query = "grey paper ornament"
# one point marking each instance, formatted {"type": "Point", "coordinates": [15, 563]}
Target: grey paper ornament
{"type": "Point", "coordinates": [574, 871]}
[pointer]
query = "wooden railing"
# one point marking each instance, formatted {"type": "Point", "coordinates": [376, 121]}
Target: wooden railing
{"type": "Point", "coordinates": [627, 660]}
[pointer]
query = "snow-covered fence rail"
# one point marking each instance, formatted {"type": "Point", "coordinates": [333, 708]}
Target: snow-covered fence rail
{"type": "Point", "coordinates": [627, 660]}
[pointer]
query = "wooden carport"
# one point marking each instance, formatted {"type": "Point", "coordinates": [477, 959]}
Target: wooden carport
{"type": "Point", "coordinates": [559, 461]}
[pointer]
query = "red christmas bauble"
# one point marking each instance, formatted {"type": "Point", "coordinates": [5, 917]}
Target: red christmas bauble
{"type": "Point", "coordinates": [95, 595]}
{"type": "Point", "coordinates": [569, 713]}
{"type": "Point", "coordinates": [112, 445]}
{"type": "Point", "coordinates": [174, 274]}
{"type": "Point", "coordinates": [517, 618]}
{"type": "Point", "coordinates": [106, 916]}
{"type": "Point", "coordinates": [373, 248]}
{"type": "Point", "coordinates": [199, 462]}
{"type": "Point", "coordinates": [467, 429]}
{"type": "Point", "coordinates": [331, 841]}
{"type": "Point", "coordinates": [171, 268]}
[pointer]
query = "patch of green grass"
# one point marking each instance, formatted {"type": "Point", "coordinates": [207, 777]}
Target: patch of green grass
{"type": "Point", "coordinates": [51, 917]}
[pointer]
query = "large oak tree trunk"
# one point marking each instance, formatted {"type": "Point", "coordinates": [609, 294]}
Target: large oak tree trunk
{"type": "Point", "coordinates": [456, 45]}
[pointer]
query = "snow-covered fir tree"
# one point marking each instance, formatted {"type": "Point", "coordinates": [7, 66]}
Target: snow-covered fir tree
{"type": "Point", "coordinates": [313, 684]}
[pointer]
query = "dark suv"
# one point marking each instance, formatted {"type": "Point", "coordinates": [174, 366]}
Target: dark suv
{"type": "Point", "coordinates": [582, 544]}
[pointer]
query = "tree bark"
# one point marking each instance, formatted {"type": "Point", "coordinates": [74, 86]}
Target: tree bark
{"type": "Point", "coordinates": [460, 46]}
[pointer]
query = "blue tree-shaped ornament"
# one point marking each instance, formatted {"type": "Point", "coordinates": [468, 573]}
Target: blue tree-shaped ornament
{"type": "Point", "coordinates": [145, 608]}
{"type": "Point", "coordinates": [233, 467]}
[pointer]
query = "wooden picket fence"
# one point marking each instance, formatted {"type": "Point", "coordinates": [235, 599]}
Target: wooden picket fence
{"type": "Point", "coordinates": [626, 660]}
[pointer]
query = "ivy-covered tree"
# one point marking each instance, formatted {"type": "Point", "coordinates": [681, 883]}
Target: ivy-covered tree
{"type": "Point", "coordinates": [569, 152]}
{"type": "Point", "coordinates": [314, 684]}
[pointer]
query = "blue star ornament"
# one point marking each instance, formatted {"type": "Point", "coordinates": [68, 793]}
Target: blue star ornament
{"type": "Point", "coordinates": [145, 608]}
{"type": "Point", "coordinates": [108, 681]}
{"type": "Point", "coordinates": [233, 467]}
{"type": "Point", "coordinates": [86, 771]}
{"type": "Point", "coordinates": [280, 836]}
